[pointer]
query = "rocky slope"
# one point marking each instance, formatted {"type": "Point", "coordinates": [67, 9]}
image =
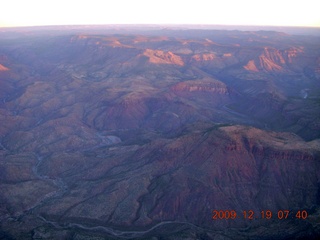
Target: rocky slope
{"type": "Point", "coordinates": [143, 136]}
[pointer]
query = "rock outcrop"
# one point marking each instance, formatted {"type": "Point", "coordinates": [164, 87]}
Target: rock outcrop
{"type": "Point", "coordinates": [161, 57]}
{"type": "Point", "coordinates": [3, 68]}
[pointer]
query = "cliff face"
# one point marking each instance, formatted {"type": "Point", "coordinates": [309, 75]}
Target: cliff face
{"type": "Point", "coordinates": [273, 60]}
{"type": "Point", "coordinates": [161, 57]}
{"type": "Point", "coordinates": [3, 68]}
{"type": "Point", "coordinates": [144, 136]}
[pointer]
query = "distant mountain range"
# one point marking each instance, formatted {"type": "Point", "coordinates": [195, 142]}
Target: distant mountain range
{"type": "Point", "coordinates": [308, 31]}
{"type": "Point", "coordinates": [125, 132]}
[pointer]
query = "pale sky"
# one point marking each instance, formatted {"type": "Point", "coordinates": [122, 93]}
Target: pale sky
{"type": "Point", "coordinates": [229, 12]}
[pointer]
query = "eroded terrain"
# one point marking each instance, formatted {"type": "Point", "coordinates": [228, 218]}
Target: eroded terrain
{"type": "Point", "coordinates": [110, 135]}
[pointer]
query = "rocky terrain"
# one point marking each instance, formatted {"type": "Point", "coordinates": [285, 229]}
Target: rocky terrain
{"type": "Point", "coordinates": [122, 134]}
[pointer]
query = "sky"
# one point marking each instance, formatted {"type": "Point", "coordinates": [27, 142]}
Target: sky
{"type": "Point", "coordinates": [222, 12]}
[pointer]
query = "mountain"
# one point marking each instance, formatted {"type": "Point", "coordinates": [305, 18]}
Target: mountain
{"type": "Point", "coordinates": [159, 134]}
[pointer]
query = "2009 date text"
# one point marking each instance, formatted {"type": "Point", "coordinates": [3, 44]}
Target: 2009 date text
{"type": "Point", "coordinates": [264, 214]}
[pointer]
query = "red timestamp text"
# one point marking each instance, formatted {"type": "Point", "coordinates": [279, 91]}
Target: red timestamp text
{"type": "Point", "coordinates": [263, 214]}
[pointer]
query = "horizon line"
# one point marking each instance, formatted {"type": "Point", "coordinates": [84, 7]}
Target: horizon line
{"type": "Point", "coordinates": [157, 24]}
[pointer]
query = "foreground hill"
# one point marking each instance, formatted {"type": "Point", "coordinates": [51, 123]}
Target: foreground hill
{"type": "Point", "coordinates": [144, 135]}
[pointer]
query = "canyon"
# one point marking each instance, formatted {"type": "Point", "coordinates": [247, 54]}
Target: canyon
{"type": "Point", "coordinates": [143, 133]}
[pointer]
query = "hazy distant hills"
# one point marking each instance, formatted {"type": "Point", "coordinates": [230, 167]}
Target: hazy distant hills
{"type": "Point", "coordinates": [142, 134]}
